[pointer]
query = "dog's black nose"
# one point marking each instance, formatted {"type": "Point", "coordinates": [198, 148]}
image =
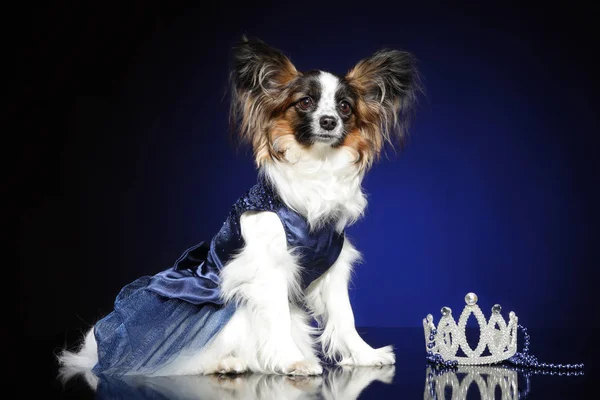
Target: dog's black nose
{"type": "Point", "coordinates": [327, 122]}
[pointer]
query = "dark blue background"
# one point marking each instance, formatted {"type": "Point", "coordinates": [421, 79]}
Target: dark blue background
{"type": "Point", "coordinates": [125, 159]}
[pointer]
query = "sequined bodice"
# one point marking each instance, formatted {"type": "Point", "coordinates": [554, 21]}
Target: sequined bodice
{"type": "Point", "coordinates": [317, 249]}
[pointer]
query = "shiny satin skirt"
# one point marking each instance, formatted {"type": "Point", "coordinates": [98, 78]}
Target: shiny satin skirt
{"type": "Point", "coordinates": [146, 331]}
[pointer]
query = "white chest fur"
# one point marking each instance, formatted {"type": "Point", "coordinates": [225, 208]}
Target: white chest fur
{"type": "Point", "coordinates": [323, 184]}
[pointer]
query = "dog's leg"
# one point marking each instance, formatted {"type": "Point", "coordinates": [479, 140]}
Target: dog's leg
{"type": "Point", "coordinates": [328, 298]}
{"type": "Point", "coordinates": [263, 280]}
{"type": "Point", "coordinates": [303, 333]}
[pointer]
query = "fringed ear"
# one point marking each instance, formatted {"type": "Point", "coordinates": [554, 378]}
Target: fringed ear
{"type": "Point", "coordinates": [387, 83]}
{"type": "Point", "coordinates": [260, 78]}
{"type": "Point", "coordinates": [259, 66]}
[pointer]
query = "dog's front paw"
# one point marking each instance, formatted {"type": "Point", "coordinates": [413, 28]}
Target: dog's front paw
{"type": "Point", "coordinates": [370, 357]}
{"type": "Point", "coordinates": [231, 365]}
{"type": "Point", "coordinates": [304, 368]}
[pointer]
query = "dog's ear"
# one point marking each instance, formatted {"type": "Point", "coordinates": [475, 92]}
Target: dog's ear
{"type": "Point", "coordinates": [387, 84]}
{"type": "Point", "coordinates": [260, 68]}
{"type": "Point", "coordinates": [261, 79]}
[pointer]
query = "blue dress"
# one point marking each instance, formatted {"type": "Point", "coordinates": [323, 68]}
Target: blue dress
{"type": "Point", "coordinates": [156, 318]}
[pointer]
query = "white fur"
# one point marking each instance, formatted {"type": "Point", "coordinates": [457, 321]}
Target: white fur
{"type": "Point", "coordinates": [269, 331]}
{"type": "Point", "coordinates": [81, 362]}
{"type": "Point", "coordinates": [323, 184]}
{"type": "Point", "coordinates": [327, 106]}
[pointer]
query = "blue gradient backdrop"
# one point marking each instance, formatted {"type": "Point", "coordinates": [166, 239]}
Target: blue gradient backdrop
{"type": "Point", "coordinates": [495, 191]}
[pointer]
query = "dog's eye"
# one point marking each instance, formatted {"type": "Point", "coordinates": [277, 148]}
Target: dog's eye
{"type": "Point", "coordinates": [305, 103]}
{"type": "Point", "coordinates": [345, 107]}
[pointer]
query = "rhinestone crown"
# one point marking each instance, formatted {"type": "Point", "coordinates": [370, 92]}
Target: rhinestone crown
{"type": "Point", "coordinates": [499, 337]}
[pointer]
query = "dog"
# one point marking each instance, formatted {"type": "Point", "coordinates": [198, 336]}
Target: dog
{"type": "Point", "coordinates": [246, 300]}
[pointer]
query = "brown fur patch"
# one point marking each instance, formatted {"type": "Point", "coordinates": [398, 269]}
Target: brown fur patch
{"type": "Point", "coordinates": [277, 130]}
{"type": "Point", "coordinates": [366, 138]}
{"type": "Point", "coordinates": [265, 118]}
{"type": "Point", "coordinates": [287, 74]}
{"type": "Point", "coordinates": [371, 116]}
{"type": "Point", "coordinates": [363, 147]}
{"type": "Point", "coordinates": [276, 137]}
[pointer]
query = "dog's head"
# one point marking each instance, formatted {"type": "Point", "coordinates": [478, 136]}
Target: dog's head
{"type": "Point", "coordinates": [276, 107]}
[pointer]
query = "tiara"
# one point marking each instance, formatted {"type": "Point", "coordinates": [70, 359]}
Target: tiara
{"type": "Point", "coordinates": [495, 335]}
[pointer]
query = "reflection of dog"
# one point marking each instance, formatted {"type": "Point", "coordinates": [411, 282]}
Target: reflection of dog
{"type": "Point", "coordinates": [343, 383]}
{"type": "Point", "coordinates": [349, 382]}
{"type": "Point", "coordinates": [283, 247]}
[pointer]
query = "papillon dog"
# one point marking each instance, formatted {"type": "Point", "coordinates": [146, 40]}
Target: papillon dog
{"type": "Point", "coordinates": [314, 135]}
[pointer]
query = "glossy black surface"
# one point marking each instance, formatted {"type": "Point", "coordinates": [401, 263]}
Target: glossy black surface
{"type": "Point", "coordinates": [410, 378]}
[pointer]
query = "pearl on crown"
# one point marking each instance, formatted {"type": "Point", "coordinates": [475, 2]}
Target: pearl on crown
{"type": "Point", "coordinates": [471, 299]}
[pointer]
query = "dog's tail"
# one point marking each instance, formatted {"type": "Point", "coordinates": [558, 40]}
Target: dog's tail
{"type": "Point", "coordinates": [81, 361]}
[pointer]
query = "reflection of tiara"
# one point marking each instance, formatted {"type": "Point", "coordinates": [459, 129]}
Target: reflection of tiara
{"type": "Point", "coordinates": [487, 380]}
{"type": "Point", "coordinates": [498, 336]}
